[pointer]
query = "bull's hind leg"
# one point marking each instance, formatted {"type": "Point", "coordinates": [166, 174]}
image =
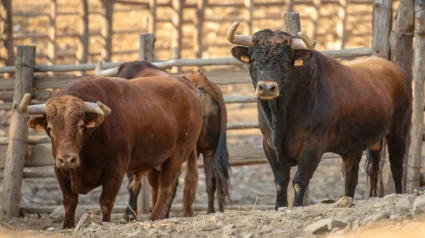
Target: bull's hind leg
{"type": "Point", "coordinates": [210, 179]}
{"type": "Point", "coordinates": [132, 203]}
{"type": "Point", "coordinates": [281, 176]}
{"type": "Point", "coordinates": [350, 170]}
{"type": "Point", "coordinates": [396, 150]}
{"type": "Point", "coordinates": [169, 172]}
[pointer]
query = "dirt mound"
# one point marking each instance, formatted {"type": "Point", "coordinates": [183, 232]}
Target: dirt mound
{"type": "Point", "coordinates": [391, 216]}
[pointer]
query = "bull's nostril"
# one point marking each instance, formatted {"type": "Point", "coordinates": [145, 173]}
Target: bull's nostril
{"type": "Point", "coordinates": [61, 161]}
{"type": "Point", "coordinates": [260, 87]}
{"type": "Point", "coordinates": [72, 160]}
{"type": "Point", "coordinates": [273, 89]}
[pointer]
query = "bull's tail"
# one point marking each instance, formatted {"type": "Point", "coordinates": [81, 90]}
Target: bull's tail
{"type": "Point", "coordinates": [190, 183]}
{"type": "Point", "coordinates": [221, 168]}
{"type": "Point", "coordinates": [373, 169]}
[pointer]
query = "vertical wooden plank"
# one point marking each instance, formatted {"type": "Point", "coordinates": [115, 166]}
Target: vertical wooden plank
{"type": "Point", "coordinates": [147, 53]}
{"type": "Point", "coordinates": [381, 25]}
{"type": "Point", "coordinates": [292, 23]}
{"type": "Point", "coordinates": [152, 20]}
{"type": "Point", "coordinates": [414, 166]}
{"type": "Point", "coordinates": [249, 14]}
{"type": "Point", "coordinates": [52, 32]}
{"type": "Point", "coordinates": [402, 53]}
{"type": "Point", "coordinates": [83, 47]}
{"type": "Point", "coordinates": [342, 24]}
{"type": "Point", "coordinates": [198, 47]}
{"type": "Point", "coordinates": [178, 6]}
{"type": "Point", "coordinates": [293, 26]}
{"type": "Point", "coordinates": [8, 43]}
{"type": "Point", "coordinates": [316, 18]}
{"type": "Point", "coordinates": [106, 32]}
{"type": "Point", "coordinates": [18, 134]}
{"type": "Point", "coordinates": [291, 4]}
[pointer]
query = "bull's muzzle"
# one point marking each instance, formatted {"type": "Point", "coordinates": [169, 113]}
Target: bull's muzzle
{"type": "Point", "coordinates": [69, 161]}
{"type": "Point", "coordinates": [267, 90]}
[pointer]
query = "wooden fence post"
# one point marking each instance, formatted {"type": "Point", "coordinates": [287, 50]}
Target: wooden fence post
{"type": "Point", "coordinates": [106, 32]}
{"type": "Point", "coordinates": [152, 23]}
{"type": "Point", "coordinates": [83, 48]}
{"type": "Point", "coordinates": [18, 134]}
{"type": "Point", "coordinates": [198, 46]}
{"type": "Point", "coordinates": [293, 26]}
{"type": "Point", "coordinates": [8, 43]}
{"type": "Point", "coordinates": [177, 37]}
{"type": "Point", "coordinates": [402, 54]}
{"type": "Point", "coordinates": [414, 165]}
{"type": "Point", "coordinates": [52, 32]}
{"type": "Point", "coordinates": [381, 25]}
{"type": "Point", "coordinates": [147, 53]}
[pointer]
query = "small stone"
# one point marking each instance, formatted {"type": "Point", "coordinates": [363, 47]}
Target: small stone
{"type": "Point", "coordinates": [416, 192]}
{"type": "Point", "coordinates": [381, 215]}
{"type": "Point", "coordinates": [209, 227]}
{"type": "Point", "coordinates": [405, 202]}
{"type": "Point", "coordinates": [249, 235]}
{"type": "Point", "coordinates": [139, 233]}
{"type": "Point", "coordinates": [228, 227]}
{"type": "Point", "coordinates": [411, 226]}
{"type": "Point", "coordinates": [282, 209]}
{"type": "Point", "coordinates": [327, 201]}
{"type": "Point", "coordinates": [174, 220]}
{"type": "Point", "coordinates": [356, 224]}
{"type": "Point", "coordinates": [324, 226]}
{"type": "Point", "coordinates": [418, 206]}
{"type": "Point", "coordinates": [50, 229]}
{"type": "Point", "coordinates": [345, 202]}
{"type": "Point", "coordinates": [288, 211]}
{"type": "Point", "coordinates": [380, 204]}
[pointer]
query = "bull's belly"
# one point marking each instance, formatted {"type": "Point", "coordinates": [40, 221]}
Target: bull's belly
{"type": "Point", "coordinates": [149, 159]}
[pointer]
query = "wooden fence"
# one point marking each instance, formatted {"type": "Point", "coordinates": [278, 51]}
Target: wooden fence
{"type": "Point", "coordinates": [39, 150]}
{"type": "Point", "coordinates": [194, 25]}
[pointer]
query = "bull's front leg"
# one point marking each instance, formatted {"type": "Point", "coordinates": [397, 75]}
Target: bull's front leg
{"type": "Point", "coordinates": [110, 187]}
{"type": "Point", "coordinates": [281, 176]}
{"type": "Point", "coordinates": [70, 199]}
{"type": "Point", "coordinates": [308, 161]}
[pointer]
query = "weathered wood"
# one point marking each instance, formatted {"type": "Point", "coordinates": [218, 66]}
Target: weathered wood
{"type": "Point", "coordinates": [381, 25]}
{"type": "Point", "coordinates": [402, 51]}
{"type": "Point", "coordinates": [83, 46]}
{"type": "Point", "coordinates": [38, 94]}
{"type": "Point", "coordinates": [106, 32]}
{"type": "Point", "coordinates": [248, 16]}
{"type": "Point", "coordinates": [199, 23]}
{"type": "Point", "coordinates": [242, 125]}
{"type": "Point", "coordinates": [8, 42]}
{"type": "Point", "coordinates": [240, 99]}
{"type": "Point", "coordinates": [152, 19]}
{"type": "Point", "coordinates": [17, 148]}
{"type": "Point", "coordinates": [292, 23]}
{"type": "Point", "coordinates": [51, 52]}
{"type": "Point", "coordinates": [342, 24]}
{"type": "Point", "coordinates": [147, 47]}
{"type": "Point", "coordinates": [414, 164]}
{"type": "Point", "coordinates": [177, 36]}
{"type": "Point", "coordinates": [147, 53]}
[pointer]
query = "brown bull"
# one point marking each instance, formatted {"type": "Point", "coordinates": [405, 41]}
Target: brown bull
{"type": "Point", "coordinates": [211, 142]}
{"type": "Point", "coordinates": [309, 103]}
{"type": "Point", "coordinates": [152, 122]}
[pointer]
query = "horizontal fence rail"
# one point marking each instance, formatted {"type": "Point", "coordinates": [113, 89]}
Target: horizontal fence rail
{"type": "Point", "coordinates": [343, 53]}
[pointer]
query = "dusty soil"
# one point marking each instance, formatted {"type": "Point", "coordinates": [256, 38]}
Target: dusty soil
{"type": "Point", "coordinates": [391, 216]}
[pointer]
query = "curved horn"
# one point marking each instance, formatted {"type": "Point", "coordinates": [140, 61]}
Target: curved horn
{"type": "Point", "coordinates": [310, 43]}
{"type": "Point", "coordinates": [98, 69]}
{"type": "Point", "coordinates": [97, 107]}
{"type": "Point", "coordinates": [30, 110]}
{"type": "Point", "coordinates": [237, 39]}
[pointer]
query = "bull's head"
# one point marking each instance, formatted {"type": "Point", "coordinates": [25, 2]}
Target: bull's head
{"type": "Point", "coordinates": [271, 57]}
{"type": "Point", "coordinates": [65, 120]}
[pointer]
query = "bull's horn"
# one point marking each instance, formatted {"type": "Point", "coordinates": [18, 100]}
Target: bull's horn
{"type": "Point", "coordinates": [98, 108]}
{"type": "Point", "coordinates": [33, 109]}
{"type": "Point", "coordinates": [237, 39]}
{"type": "Point", "coordinates": [98, 69]}
{"type": "Point", "coordinates": [310, 43]}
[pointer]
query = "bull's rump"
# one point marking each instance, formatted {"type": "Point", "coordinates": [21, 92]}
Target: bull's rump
{"type": "Point", "coordinates": [150, 118]}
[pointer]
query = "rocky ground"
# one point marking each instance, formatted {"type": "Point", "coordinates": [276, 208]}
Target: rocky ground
{"type": "Point", "coordinates": [391, 216]}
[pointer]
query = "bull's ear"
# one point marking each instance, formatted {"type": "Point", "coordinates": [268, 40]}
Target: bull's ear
{"type": "Point", "coordinates": [302, 56]}
{"type": "Point", "coordinates": [93, 120]}
{"type": "Point", "coordinates": [241, 53]}
{"type": "Point", "coordinates": [37, 123]}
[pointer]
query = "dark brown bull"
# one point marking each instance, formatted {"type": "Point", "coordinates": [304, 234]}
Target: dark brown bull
{"type": "Point", "coordinates": [309, 103]}
{"type": "Point", "coordinates": [211, 142]}
{"type": "Point", "coordinates": [154, 122]}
